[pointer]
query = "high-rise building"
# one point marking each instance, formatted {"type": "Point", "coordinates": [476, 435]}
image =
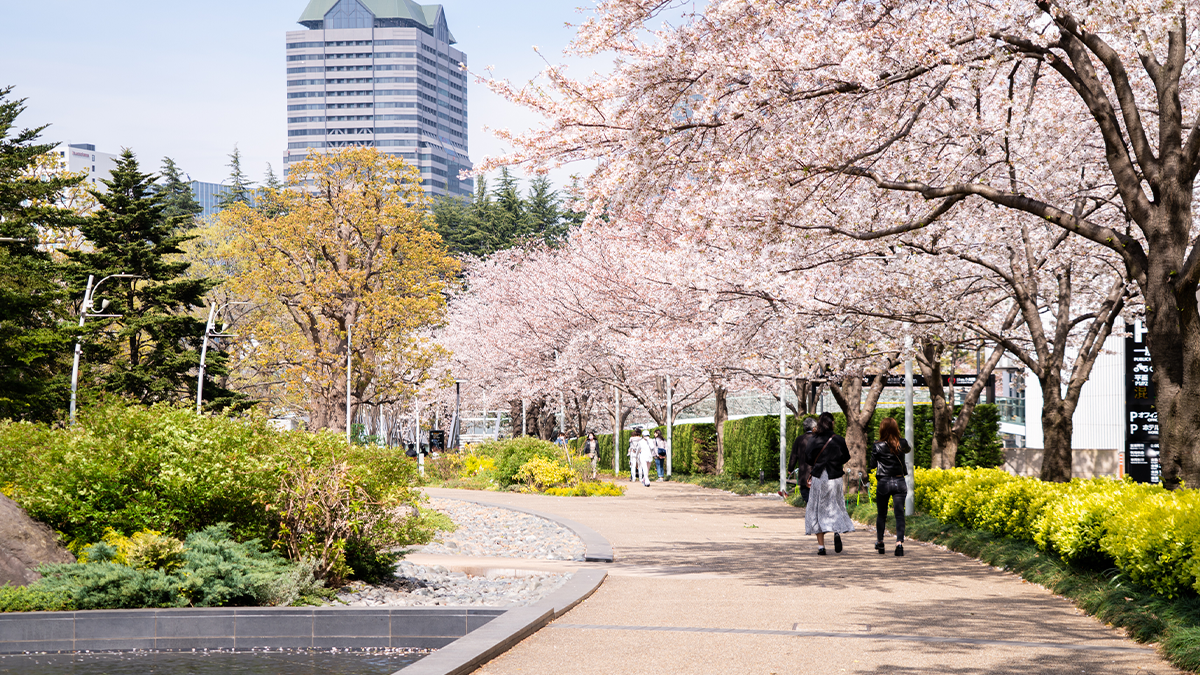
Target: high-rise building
{"type": "Point", "coordinates": [84, 157]}
{"type": "Point", "coordinates": [380, 73]}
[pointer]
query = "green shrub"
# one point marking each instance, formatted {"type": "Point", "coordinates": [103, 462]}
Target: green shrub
{"type": "Point", "coordinates": [216, 571]}
{"type": "Point", "coordinates": [127, 469]}
{"type": "Point", "coordinates": [510, 455]}
{"type": "Point", "coordinates": [34, 599]}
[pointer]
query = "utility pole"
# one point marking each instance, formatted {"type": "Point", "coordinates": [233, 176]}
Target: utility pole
{"type": "Point", "coordinates": [349, 441]}
{"type": "Point", "coordinates": [908, 427]}
{"type": "Point", "coordinates": [670, 427]}
{"type": "Point", "coordinates": [782, 428]}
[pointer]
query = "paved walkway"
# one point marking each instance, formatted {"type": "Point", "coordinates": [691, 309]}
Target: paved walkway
{"type": "Point", "coordinates": [707, 582]}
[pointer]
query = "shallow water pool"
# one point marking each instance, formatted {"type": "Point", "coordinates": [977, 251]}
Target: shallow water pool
{"type": "Point", "coordinates": [287, 662]}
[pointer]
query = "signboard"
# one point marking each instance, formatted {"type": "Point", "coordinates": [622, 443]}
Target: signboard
{"type": "Point", "coordinates": [919, 380]}
{"type": "Point", "coordinates": [437, 440]}
{"type": "Point", "coordinates": [1141, 416]}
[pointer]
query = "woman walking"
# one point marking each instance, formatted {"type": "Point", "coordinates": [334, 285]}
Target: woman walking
{"type": "Point", "coordinates": [660, 454]}
{"type": "Point", "coordinates": [887, 458]}
{"type": "Point", "coordinates": [645, 455]}
{"type": "Point", "coordinates": [635, 452]}
{"type": "Point", "coordinates": [591, 450]}
{"type": "Point", "coordinates": [826, 510]}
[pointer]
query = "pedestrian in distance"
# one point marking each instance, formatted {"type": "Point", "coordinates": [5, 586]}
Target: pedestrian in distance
{"type": "Point", "coordinates": [826, 511]}
{"type": "Point", "coordinates": [887, 458]}
{"type": "Point", "coordinates": [798, 462]}
{"type": "Point", "coordinates": [645, 456]}
{"type": "Point", "coordinates": [660, 455]}
{"type": "Point", "coordinates": [591, 450]}
{"type": "Point", "coordinates": [635, 451]}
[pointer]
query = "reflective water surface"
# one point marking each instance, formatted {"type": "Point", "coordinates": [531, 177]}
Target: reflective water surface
{"type": "Point", "coordinates": [288, 662]}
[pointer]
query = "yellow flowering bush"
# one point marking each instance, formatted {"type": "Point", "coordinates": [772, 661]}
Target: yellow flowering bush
{"type": "Point", "coordinates": [1149, 533]}
{"type": "Point", "coordinates": [590, 489]}
{"type": "Point", "coordinates": [474, 465]}
{"type": "Point", "coordinates": [540, 473]}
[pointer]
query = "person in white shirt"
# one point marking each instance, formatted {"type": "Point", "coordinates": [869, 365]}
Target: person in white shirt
{"type": "Point", "coordinates": [635, 444]}
{"type": "Point", "coordinates": [645, 456]}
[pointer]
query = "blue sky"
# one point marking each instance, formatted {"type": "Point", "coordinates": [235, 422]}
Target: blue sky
{"type": "Point", "coordinates": [188, 80]}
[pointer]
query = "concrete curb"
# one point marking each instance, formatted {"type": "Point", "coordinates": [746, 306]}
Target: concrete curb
{"type": "Point", "coordinates": [485, 643]}
{"type": "Point", "coordinates": [595, 547]}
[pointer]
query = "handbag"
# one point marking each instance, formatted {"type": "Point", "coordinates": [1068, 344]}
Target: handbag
{"type": "Point", "coordinates": [815, 461]}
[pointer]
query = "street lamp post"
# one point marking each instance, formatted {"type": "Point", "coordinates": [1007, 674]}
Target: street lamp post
{"type": "Point", "coordinates": [89, 295]}
{"type": "Point", "coordinates": [457, 415]}
{"type": "Point", "coordinates": [349, 441]}
{"type": "Point", "coordinates": [213, 311]}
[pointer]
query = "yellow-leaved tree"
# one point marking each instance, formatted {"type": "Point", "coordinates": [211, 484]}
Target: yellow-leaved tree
{"type": "Point", "coordinates": [348, 243]}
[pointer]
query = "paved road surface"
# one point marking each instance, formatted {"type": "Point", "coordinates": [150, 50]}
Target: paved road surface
{"type": "Point", "coordinates": [707, 582]}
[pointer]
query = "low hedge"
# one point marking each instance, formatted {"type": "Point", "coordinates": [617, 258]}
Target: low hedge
{"type": "Point", "coordinates": [1150, 534]}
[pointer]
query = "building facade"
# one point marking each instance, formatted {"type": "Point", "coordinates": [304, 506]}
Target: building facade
{"type": "Point", "coordinates": [84, 157]}
{"type": "Point", "coordinates": [380, 73]}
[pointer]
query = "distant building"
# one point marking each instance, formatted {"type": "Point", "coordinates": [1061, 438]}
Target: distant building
{"type": "Point", "coordinates": [209, 195]}
{"type": "Point", "coordinates": [84, 157]}
{"type": "Point", "coordinates": [380, 73]}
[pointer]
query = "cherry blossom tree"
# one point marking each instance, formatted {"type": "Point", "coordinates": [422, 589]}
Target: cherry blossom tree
{"type": "Point", "coordinates": [886, 118]}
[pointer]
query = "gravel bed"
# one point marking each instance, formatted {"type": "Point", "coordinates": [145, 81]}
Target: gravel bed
{"type": "Point", "coordinates": [425, 586]}
{"type": "Point", "coordinates": [487, 531]}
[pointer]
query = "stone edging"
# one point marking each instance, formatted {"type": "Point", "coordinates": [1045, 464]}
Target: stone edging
{"type": "Point", "coordinates": [595, 547]}
{"type": "Point", "coordinates": [471, 651]}
{"type": "Point", "coordinates": [240, 628]}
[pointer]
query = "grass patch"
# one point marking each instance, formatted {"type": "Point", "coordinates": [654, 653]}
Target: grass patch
{"type": "Point", "coordinates": [436, 520]}
{"type": "Point", "coordinates": [1174, 623]}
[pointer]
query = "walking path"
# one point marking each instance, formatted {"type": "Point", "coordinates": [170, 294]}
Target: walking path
{"type": "Point", "coordinates": [708, 582]}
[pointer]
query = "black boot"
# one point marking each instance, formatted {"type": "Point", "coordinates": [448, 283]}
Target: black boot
{"type": "Point", "coordinates": [837, 543]}
{"type": "Point", "coordinates": [899, 550]}
{"type": "Point", "coordinates": [879, 547]}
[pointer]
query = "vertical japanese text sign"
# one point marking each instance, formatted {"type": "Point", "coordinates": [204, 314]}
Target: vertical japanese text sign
{"type": "Point", "coordinates": [1141, 417]}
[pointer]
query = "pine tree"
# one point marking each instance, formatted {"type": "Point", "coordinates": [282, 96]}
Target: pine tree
{"type": "Point", "coordinates": [241, 189]}
{"type": "Point", "coordinates": [153, 347]}
{"type": "Point", "coordinates": [34, 349]}
{"type": "Point", "coordinates": [268, 200]}
{"type": "Point", "coordinates": [543, 211]}
{"type": "Point", "coordinates": [512, 223]}
{"type": "Point", "coordinates": [178, 199]}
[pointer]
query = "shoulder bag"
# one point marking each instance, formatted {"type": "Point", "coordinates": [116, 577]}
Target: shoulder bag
{"type": "Point", "coordinates": [814, 463]}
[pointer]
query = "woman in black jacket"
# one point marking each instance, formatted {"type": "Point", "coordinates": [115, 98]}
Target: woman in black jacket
{"type": "Point", "coordinates": [826, 510]}
{"type": "Point", "coordinates": [887, 458]}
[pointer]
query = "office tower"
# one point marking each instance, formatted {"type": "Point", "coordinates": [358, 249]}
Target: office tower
{"type": "Point", "coordinates": [380, 73]}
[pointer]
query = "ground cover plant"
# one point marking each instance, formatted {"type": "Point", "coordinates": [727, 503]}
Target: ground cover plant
{"type": "Point", "coordinates": [149, 569]}
{"type": "Point", "coordinates": [130, 469]}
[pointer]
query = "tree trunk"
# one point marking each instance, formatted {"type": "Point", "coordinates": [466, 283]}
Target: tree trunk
{"type": "Point", "coordinates": [1057, 427]}
{"type": "Point", "coordinates": [719, 416]}
{"type": "Point", "coordinates": [848, 394]}
{"type": "Point", "coordinates": [944, 445]}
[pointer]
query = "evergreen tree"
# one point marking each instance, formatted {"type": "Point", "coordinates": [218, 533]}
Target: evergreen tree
{"type": "Point", "coordinates": [152, 348]}
{"type": "Point", "coordinates": [544, 212]}
{"type": "Point", "coordinates": [268, 200]}
{"type": "Point", "coordinates": [572, 219]}
{"type": "Point", "coordinates": [241, 189]}
{"type": "Point", "coordinates": [179, 202]}
{"type": "Point", "coordinates": [35, 359]}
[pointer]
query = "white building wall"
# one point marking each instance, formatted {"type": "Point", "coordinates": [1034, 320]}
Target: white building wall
{"type": "Point", "coordinates": [1100, 411]}
{"type": "Point", "coordinates": [97, 165]}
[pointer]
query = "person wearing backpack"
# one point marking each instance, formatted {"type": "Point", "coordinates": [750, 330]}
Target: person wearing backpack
{"type": "Point", "coordinates": [660, 454]}
{"type": "Point", "coordinates": [887, 458]}
{"type": "Point", "coordinates": [826, 510]}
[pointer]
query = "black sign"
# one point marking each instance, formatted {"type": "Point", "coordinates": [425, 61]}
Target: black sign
{"type": "Point", "coordinates": [437, 440]}
{"type": "Point", "coordinates": [1141, 417]}
{"type": "Point", "coordinates": [919, 380]}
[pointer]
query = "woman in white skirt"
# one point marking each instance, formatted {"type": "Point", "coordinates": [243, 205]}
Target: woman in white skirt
{"type": "Point", "coordinates": [826, 510]}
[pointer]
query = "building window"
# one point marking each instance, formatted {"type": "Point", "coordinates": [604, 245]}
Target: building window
{"type": "Point", "coordinates": [348, 14]}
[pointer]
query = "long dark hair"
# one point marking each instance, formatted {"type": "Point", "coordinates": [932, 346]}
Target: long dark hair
{"type": "Point", "coordinates": [889, 432]}
{"type": "Point", "coordinates": [824, 425]}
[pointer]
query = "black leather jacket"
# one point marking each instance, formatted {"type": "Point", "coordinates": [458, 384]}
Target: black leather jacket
{"type": "Point", "coordinates": [831, 460]}
{"type": "Point", "coordinates": [886, 464]}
